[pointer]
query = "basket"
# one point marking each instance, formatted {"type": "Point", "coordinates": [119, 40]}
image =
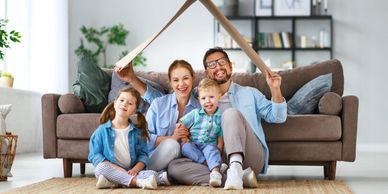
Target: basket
{"type": "Point", "coordinates": [8, 144]}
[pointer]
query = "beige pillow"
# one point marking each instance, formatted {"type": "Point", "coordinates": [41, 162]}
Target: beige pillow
{"type": "Point", "coordinates": [70, 103]}
{"type": "Point", "coordinates": [330, 104]}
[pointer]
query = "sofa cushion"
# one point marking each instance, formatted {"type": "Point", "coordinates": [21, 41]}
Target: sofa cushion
{"type": "Point", "coordinates": [305, 128]}
{"type": "Point", "coordinates": [304, 151]}
{"type": "Point", "coordinates": [305, 100]}
{"type": "Point", "coordinates": [330, 104]}
{"type": "Point", "coordinates": [70, 103]}
{"type": "Point", "coordinates": [77, 126]}
{"type": "Point", "coordinates": [92, 85]}
{"type": "Point", "coordinates": [74, 149]}
{"type": "Point", "coordinates": [294, 79]}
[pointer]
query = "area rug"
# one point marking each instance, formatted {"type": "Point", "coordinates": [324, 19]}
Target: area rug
{"type": "Point", "coordinates": [87, 185]}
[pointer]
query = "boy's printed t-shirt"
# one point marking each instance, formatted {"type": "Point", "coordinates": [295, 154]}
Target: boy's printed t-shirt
{"type": "Point", "coordinates": [203, 128]}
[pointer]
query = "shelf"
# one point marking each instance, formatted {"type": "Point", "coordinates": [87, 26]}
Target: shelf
{"type": "Point", "coordinates": [314, 17]}
{"type": "Point", "coordinates": [274, 49]}
{"type": "Point", "coordinates": [314, 49]}
{"type": "Point", "coordinates": [237, 17]}
{"type": "Point", "coordinates": [232, 49]}
{"type": "Point", "coordinates": [261, 25]}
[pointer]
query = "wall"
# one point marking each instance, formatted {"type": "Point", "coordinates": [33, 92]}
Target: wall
{"type": "Point", "coordinates": [24, 119]}
{"type": "Point", "coordinates": [360, 37]}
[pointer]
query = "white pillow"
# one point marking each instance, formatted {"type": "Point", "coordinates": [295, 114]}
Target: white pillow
{"type": "Point", "coordinates": [4, 110]}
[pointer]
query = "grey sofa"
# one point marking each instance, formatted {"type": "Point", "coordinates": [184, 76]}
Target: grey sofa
{"type": "Point", "coordinates": [312, 139]}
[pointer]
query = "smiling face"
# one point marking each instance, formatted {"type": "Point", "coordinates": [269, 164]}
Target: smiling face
{"type": "Point", "coordinates": [125, 105]}
{"type": "Point", "coordinates": [208, 98]}
{"type": "Point", "coordinates": [221, 73]}
{"type": "Point", "coordinates": [181, 81]}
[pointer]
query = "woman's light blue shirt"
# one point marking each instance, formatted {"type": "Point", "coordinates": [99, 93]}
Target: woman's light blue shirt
{"type": "Point", "coordinates": [162, 116]}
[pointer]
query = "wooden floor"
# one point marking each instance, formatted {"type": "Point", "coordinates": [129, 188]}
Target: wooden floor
{"type": "Point", "coordinates": [369, 174]}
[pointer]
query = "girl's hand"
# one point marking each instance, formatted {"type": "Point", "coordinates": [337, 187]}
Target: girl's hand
{"type": "Point", "coordinates": [133, 172]}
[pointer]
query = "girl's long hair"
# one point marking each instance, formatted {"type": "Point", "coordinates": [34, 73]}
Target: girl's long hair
{"type": "Point", "coordinates": [109, 112]}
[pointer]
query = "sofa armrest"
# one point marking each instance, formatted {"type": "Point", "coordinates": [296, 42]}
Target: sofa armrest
{"type": "Point", "coordinates": [349, 127]}
{"type": "Point", "coordinates": [50, 112]}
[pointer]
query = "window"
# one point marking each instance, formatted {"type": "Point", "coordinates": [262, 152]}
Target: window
{"type": "Point", "coordinates": [40, 61]}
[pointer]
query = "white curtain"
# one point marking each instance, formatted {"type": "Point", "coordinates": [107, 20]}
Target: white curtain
{"type": "Point", "coordinates": [40, 61]}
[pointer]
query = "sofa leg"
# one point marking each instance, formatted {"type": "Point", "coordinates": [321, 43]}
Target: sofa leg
{"type": "Point", "coordinates": [67, 168]}
{"type": "Point", "coordinates": [330, 170]}
{"type": "Point", "coordinates": [82, 168]}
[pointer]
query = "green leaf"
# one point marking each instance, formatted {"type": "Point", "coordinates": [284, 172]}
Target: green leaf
{"type": "Point", "coordinates": [98, 41]}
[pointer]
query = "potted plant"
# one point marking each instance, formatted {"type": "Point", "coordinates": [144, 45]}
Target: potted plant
{"type": "Point", "coordinates": [100, 39]}
{"type": "Point", "coordinates": [6, 80]}
{"type": "Point", "coordinates": [6, 38]}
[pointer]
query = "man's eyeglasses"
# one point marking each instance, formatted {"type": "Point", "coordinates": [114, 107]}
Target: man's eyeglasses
{"type": "Point", "coordinates": [213, 64]}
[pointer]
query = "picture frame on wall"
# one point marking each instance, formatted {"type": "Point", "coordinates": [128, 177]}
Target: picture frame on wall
{"type": "Point", "coordinates": [292, 7]}
{"type": "Point", "coordinates": [263, 8]}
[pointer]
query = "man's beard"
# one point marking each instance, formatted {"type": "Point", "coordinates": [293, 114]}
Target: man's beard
{"type": "Point", "coordinates": [222, 81]}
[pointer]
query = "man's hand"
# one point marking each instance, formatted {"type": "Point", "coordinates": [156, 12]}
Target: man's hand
{"type": "Point", "coordinates": [126, 74]}
{"type": "Point", "coordinates": [274, 81]}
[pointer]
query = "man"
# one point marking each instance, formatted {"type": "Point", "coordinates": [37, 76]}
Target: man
{"type": "Point", "coordinates": [242, 110]}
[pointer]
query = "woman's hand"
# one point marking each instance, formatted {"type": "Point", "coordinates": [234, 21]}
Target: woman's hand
{"type": "Point", "coordinates": [180, 132]}
{"type": "Point", "coordinates": [126, 74]}
{"type": "Point", "coordinates": [184, 140]}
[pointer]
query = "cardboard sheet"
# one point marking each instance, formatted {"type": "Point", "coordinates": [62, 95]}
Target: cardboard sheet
{"type": "Point", "coordinates": [228, 26]}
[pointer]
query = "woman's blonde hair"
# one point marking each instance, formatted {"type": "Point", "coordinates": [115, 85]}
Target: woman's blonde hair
{"type": "Point", "coordinates": [180, 63]}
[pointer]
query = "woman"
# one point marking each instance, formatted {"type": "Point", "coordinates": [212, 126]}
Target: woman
{"type": "Point", "coordinates": [165, 111]}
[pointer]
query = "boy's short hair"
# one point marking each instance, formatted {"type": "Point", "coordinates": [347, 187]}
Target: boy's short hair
{"type": "Point", "coordinates": [207, 83]}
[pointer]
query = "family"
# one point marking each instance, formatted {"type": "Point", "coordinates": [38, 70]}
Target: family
{"type": "Point", "coordinates": [188, 134]}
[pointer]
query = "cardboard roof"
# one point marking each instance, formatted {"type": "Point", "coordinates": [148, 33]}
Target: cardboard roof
{"type": "Point", "coordinates": [228, 26]}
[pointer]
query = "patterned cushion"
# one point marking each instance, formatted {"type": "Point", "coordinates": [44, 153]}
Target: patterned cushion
{"type": "Point", "coordinates": [305, 100]}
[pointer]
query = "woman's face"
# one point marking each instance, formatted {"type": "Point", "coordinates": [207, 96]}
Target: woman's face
{"type": "Point", "coordinates": [125, 105]}
{"type": "Point", "coordinates": [181, 81]}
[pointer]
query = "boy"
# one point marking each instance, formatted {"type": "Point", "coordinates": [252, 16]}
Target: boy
{"type": "Point", "coordinates": [206, 141]}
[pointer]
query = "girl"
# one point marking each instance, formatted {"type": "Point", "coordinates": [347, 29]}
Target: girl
{"type": "Point", "coordinates": [118, 148]}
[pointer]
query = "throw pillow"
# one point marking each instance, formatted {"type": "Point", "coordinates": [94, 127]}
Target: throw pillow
{"type": "Point", "coordinates": [69, 103]}
{"type": "Point", "coordinates": [330, 104]}
{"type": "Point", "coordinates": [118, 84]}
{"type": "Point", "coordinates": [305, 100]}
{"type": "Point", "coordinates": [92, 85]}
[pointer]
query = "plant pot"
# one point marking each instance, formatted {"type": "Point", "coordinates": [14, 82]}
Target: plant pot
{"type": "Point", "coordinates": [6, 82]}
